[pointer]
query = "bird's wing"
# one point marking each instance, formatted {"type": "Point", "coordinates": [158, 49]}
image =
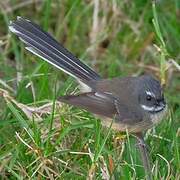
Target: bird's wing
{"type": "Point", "coordinates": [112, 112]}
{"type": "Point", "coordinates": [96, 103]}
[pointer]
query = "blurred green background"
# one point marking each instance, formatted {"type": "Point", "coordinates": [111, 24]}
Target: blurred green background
{"type": "Point", "coordinates": [41, 139]}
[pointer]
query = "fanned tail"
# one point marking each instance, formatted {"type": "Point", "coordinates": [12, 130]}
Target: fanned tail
{"type": "Point", "coordinates": [45, 46]}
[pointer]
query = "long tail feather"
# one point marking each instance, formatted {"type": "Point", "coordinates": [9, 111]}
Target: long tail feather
{"type": "Point", "coordinates": [45, 46]}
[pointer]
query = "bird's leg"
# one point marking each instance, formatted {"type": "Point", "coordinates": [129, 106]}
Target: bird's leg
{"type": "Point", "coordinates": [116, 106]}
{"type": "Point", "coordinates": [144, 155]}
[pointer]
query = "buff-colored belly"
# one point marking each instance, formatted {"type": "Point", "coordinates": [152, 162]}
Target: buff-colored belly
{"type": "Point", "coordinates": [134, 128]}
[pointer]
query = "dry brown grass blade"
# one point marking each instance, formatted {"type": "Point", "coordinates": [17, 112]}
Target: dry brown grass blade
{"type": "Point", "coordinates": [32, 112]}
{"type": "Point", "coordinates": [104, 169]}
{"type": "Point", "coordinates": [9, 8]}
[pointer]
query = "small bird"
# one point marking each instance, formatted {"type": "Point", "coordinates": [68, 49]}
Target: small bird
{"type": "Point", "coordinates": [132, 104]}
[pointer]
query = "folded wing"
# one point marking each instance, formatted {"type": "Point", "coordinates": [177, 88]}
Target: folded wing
{"type": "Point", "coordinates": [97, 104]}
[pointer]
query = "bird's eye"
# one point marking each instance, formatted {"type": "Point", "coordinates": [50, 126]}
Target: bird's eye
{"type": "Point", "coordinates": [148, 98]}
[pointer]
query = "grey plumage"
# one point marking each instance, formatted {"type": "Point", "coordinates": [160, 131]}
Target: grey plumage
{"type": "Point", "coordinates": [45, 46]}
{"type": "Point", "coordinates": [121, 99]}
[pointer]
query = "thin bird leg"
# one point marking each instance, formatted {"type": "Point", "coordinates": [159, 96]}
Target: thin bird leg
{"type": "Point", "coordinates": [144, 155]}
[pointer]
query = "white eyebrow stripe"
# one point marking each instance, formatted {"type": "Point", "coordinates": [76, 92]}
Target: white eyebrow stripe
{"type": "Point", "coordinates": [150, 94]}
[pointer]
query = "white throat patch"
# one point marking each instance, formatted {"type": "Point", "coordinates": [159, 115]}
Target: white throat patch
{"type": "Point", "coordinates": [152, 109]}
{"type": "Point", "coordinates": [147, 108]}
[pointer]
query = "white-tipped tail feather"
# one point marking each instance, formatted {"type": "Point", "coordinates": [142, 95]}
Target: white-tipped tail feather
{"type": "Point", "coordinates": [46, 47]}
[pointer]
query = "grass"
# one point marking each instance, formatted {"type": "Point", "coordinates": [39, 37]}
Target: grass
{"type": "Point", "coordinates": [42, 139]}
